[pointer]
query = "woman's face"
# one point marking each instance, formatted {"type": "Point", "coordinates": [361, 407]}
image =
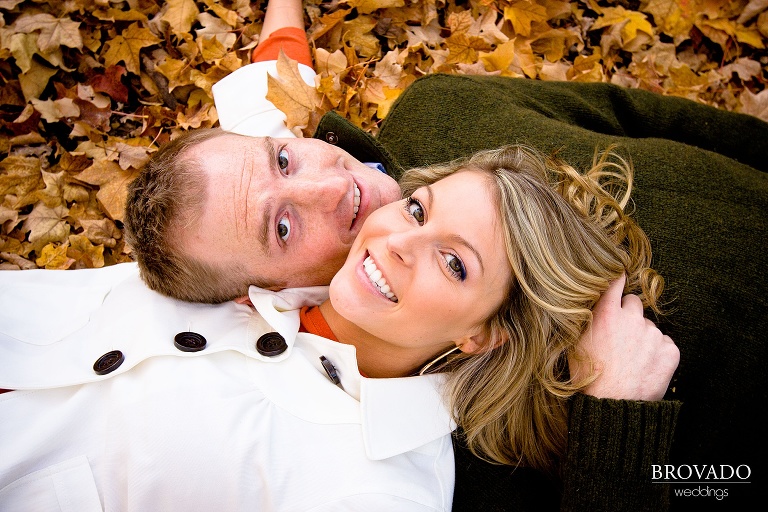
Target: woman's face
{"type": "Point", "coordinates": [438, 261]}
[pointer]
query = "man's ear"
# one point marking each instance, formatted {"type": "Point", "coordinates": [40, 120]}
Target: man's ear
{"type": "Point", "coordinates": [244, 300]}
{"type": "Point", "coordinates": [481, 342]}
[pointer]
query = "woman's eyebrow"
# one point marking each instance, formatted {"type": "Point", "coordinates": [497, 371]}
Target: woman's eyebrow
{"type": "Point", "coordinates": [456, 238]}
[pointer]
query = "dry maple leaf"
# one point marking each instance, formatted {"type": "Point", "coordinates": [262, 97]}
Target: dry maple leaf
{"type": "Point", "coordinates": [523, 14]}
{"type": "Point", "coordinates": [113, 185]}
{"type": "Point", "coordinates": [54, 32]}
{"type": "Point", "coordinates": [126, 47]}
{"type": "Point", "coordinates": [291, 94]}
{"type": "Point", "coordinates": [180, 14]}
{"type": "Point", "coordinates": [46, 225]}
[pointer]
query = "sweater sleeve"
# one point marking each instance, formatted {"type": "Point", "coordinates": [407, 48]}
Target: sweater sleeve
{"type": "Point", "coordinates": [612, 446]}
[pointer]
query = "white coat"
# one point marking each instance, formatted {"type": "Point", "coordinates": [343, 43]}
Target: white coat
{"type": "Point", "coordinates": [224, 428]}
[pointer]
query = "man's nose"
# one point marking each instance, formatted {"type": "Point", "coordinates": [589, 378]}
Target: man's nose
{"type": "Point", "coordinates": [323, 193]}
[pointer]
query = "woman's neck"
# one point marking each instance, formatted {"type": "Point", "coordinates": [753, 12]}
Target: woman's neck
{"type": "Point", "coordinates": [376, 358]}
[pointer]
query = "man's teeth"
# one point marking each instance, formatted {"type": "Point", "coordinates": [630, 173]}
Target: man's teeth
{"type": "Point", "coordinates": [357, 200]}
{"type": "Point", "coordinates": [374, 274]}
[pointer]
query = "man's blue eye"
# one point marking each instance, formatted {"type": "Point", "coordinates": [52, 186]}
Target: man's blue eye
{"type": "Point", "coordinates": [282, 159]}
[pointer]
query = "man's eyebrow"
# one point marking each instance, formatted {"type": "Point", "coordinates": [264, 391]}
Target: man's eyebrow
{"type": "Point", "coordinates": [269, 148]}
{"type": "Point", "coordinates": [457, 238]}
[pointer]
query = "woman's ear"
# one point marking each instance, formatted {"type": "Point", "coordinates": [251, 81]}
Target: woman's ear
{"type": "Point", "coordinates": [481, 342]}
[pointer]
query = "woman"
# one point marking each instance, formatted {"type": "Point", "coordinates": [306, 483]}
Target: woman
{"type": "Point", "coordinates": [512, 305]}
{"type": "Point", "coordinates": [209, 421]}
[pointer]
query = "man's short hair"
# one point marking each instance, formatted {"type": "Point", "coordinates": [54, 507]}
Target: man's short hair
{"type": "Point", "coordinates": [166, 199]}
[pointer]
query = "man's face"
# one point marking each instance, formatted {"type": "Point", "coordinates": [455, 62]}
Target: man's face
{"type": "Point", "coordinates": [282, 208]}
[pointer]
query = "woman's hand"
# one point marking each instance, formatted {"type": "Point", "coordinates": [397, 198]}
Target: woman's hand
{"type": "Point", "coordinates": [632, 358]}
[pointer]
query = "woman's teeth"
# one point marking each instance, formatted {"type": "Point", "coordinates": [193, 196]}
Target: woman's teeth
{"type": "Point", "coordinates": [357, 201]}
{"type": "Point", "coordinates": [374, 274]}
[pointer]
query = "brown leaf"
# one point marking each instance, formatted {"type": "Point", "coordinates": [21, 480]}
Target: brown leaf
{"type": "Point", "coordinates": [113, 185]}
{"type": "Point", "coordinates": [126, 47]}
{"type": "Point", "coordinates": [84, 252]}
{"type": "Point", "coordinates": [110, 83]}
{"type": "Point", "coordinates": [291, 94]}
{"type": "Point", "coordinates": [101, 231]}
{"type": "Point", "coordinates": [180, 15]}
{"type": "Point", "coordinates": [523, 15]}
{"type": "Point", "coordinates": [54, 32]}
{"type": "Point", "coordinates": [46, 225]}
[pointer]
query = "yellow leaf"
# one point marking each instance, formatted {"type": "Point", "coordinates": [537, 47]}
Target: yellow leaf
{"type": "Point", "coordinates": [368, 6]}
{"type": "Point", "coordinates": [84, 252]}
{"type": "Point", "coordinates": [127, 45]}
{"type": "Point", "coordinates": [634, 22]}
{"type": "Point", "coordinates": [523, 14]}
{"type": "Point", "coordinates": [463, 48]}
{"type": "Point", "coordinates": [229, 17]}
{"type": "Point", "coordinates": [499, 59]}
{"type": "Point", "coordinates": [749, 36]}
{"type": "Point", "coordinates": [390, 95]}
{"type": "Point", "coordinates": [180, 15]}
{"type": "Point", "coordinates": [674, 17]}
{"type": "Point", "coordinates": [54, 32]}
{"type": "Point", "coordinates": [20, 175]}
{"type": "Point", "coordinates": [357, 32]}
{"type": "Point", "coordinates": [291, 94]}
{"type": "Point", "coordinates": [176, 71]}
{"type": "Point", "coordinates": [54, 257]}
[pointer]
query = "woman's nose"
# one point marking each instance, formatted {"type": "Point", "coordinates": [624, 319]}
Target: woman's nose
{"type": "Point", "coordinates": [402, 245]}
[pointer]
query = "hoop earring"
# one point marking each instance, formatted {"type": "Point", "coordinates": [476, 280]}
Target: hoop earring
{"type": "Point", "coordinates": [435, 360]}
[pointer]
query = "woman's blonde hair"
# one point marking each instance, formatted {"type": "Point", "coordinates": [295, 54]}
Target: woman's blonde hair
{"type": "Point", "coordinates": [567, 236]}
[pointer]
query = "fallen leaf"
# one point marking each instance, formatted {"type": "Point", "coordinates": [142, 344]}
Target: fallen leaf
{"type": "Point", "coordinates": [180, 15]}
{"type": "Point", "coordinates": [54, 257]}
{"type": "Point", "coordinates": [291, 94]}
{"type": "Point", "coordinates": [54, 32]}
{"type": "Point", "coordinates": [126, 47]}
{"type": "Point", "coordinates": [46, 225]}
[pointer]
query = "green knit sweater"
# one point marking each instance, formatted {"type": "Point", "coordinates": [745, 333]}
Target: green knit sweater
{"type": "Point", "coordinates": [701, 194]}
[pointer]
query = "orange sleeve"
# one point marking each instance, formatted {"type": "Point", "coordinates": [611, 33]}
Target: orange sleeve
{"type": "Point", "coordinates": [292, 40]}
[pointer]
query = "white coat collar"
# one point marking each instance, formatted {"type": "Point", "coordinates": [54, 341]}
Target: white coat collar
{"type": "Point", "coordinates": [396, 415]}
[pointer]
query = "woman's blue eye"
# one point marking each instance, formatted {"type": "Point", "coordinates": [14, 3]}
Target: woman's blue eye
{"type": "Point", "coordinates": [455, 267]}
{"type": "Point", "coordinates": [414, 209]}
{"type": "Point", "coordinates": [284, 228]}
{"type": "Point", "coordinates": [282, 159]}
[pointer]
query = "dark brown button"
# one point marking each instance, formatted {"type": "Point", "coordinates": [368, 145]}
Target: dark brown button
{"type": "Point", "coordinates": [331, 138]}
{"type": "Point", "coordinates": [330, 370]}
{"type": "Point", "coordinates": [189, 341]}
{"type": "Point", "coordinates": [109, 362]}
{"type": "Point", "coordinates": [271, 344]}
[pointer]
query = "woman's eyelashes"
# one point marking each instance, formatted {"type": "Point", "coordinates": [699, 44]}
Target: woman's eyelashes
{"type": "Point", "coordinates": [453, 263]}
{"type": "Point", "coordinates": [415, 209]}
{"type": "Point", "coordinates": [455, 266]}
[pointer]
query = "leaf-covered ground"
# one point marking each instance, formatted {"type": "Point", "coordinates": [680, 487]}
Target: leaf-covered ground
{"type": "Point", "coordinates": [90, 88]}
